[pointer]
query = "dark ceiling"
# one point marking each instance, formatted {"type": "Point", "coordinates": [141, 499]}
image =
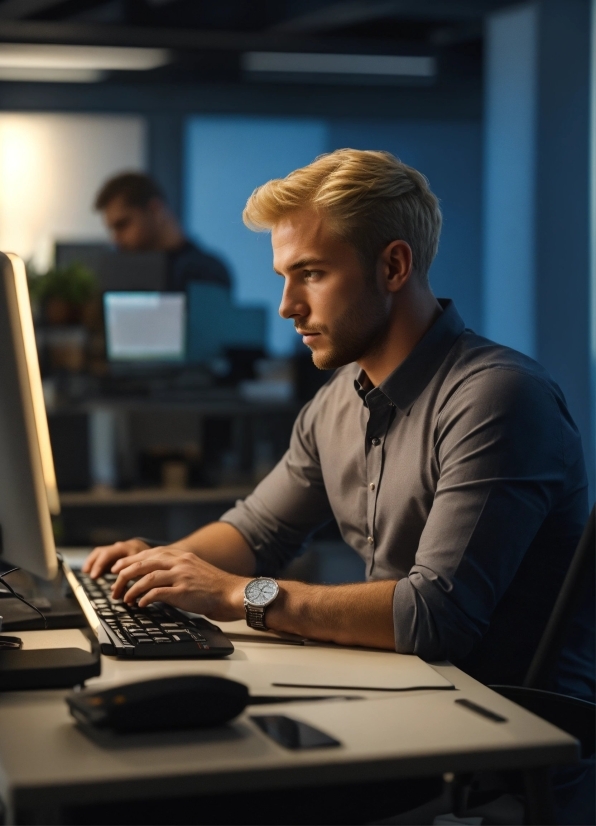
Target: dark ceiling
{"type": "Point", "coordinates": [206, 37]}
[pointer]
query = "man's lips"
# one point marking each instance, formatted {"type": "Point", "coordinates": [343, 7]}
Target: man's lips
{"type": "Point", "coordinates": [308, 335]}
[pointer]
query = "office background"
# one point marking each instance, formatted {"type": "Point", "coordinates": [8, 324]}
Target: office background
{"type": "Point", "coordinates": [504, 132]}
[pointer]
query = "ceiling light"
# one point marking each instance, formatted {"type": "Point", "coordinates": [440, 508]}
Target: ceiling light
{"type": "Point", "coordinates": [305, 63]}
{"type": "Point", "coordinates": [28, 73]}
{"type": "Point", "coordinates": [28, 61]}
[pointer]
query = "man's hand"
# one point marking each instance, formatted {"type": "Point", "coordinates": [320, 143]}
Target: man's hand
{"type": "Point", "coordinates": [180, 578]}
{"type": "Point", "coordinates": [189, 575]}
{"type": "Point", "coordinates": [102, 558]}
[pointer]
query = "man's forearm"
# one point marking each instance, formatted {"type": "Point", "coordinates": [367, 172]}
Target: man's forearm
{"type": "Point", "coordinates": [355, 614]}
{"type": "Point", "coordinates": [358, 614]}
{"type": "Point", "coordinates": [208, 571]}
{"type": "Point", "coordinates": [221, 545]}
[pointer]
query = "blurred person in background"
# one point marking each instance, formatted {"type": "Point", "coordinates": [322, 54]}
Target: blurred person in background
{"type": "Point", "coordinates": [139, 219]}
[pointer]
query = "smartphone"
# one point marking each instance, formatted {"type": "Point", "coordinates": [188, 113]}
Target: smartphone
{"type": "Point", "coordinates": [293, 734]}
{"type": "Point", "coordinates": [10, 642]}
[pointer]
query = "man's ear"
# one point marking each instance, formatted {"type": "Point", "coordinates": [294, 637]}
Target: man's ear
{"type": "Point", "coordinates": [396, 262]}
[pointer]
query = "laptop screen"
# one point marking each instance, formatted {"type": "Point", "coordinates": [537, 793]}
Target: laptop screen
{"type": "Point", "coordinates": [145, 326]}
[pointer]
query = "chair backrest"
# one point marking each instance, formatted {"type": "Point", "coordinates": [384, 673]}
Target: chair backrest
{"type": "Point", "coordinates": [580, 573]}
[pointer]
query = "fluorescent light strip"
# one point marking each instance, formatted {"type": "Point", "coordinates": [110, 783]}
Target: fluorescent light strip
{"type": "Point", "coordinates": [41, 75]}
{"type": "Point", "coordinates": [339, 64]}
{"type": "Point", "coordinates": [30, 56]}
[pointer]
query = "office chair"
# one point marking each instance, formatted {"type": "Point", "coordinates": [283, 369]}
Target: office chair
{"type": "Point", "coordinates": [576, 717]}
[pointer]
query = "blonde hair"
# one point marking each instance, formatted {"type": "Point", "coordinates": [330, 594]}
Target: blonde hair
{"type": "Point", "coordinates": [371, 199]}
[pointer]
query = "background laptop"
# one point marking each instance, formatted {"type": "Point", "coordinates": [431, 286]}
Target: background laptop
{"type": "Point", "coordinates": [145, 327]}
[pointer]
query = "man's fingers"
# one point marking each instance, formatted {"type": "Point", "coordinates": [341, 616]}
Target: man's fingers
{"type": "Point", "coordinates": [156, 595]}
{"type": "Point", "coordinates": [95, 553]}
{"type": "Point", "coordinates": [131, 559]}
{"type": "Point", "coordinates": [105, 559]}
{"type": "Point", "coordinates": [137, 567]}
{"type": "Point", "coordinates": [104, 556]}
{"type": "Point", "coordinates": [147, 583]}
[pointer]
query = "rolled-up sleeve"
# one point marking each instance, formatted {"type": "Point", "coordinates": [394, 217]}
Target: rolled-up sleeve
{"type": "Point", "coordinates": [288, 504]}
{"type": "Point", "coordinates": [499, 451]}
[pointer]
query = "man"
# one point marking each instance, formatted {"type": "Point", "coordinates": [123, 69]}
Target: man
{"type": "Point", "coordinates": [450, 463]}
{"type": "Point", "coordinates": [139, 220]}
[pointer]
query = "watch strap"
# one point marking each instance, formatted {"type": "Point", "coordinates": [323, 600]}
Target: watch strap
{"type": "Point", "coordinates": [255, 617]}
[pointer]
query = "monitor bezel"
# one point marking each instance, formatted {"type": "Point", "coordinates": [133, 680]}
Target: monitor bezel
{"type": "Point", "coordinates": [35, 473]}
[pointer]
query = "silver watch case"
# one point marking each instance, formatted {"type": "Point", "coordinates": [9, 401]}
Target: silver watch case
{"type": "Point", "coordinates": [255, 612]}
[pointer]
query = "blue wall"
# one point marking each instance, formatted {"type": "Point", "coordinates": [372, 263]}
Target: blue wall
{"type": "Point", "coordinates": [228, 156]}
{"type": "Point", "coordinates": [510, 178]}
{"type": "Point", "coordinates": [537, 204]}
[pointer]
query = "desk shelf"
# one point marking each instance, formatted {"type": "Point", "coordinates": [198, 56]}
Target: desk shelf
{"type": "Point", "coordinates": [96, 518]}
{"type": "Point", "coordinates": [153, 496]}
{"type": "Point", "coordinates": [101, 443]}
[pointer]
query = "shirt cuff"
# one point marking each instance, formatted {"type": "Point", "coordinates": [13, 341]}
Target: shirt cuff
{"type": "Point", "coordinates": [428, 623]}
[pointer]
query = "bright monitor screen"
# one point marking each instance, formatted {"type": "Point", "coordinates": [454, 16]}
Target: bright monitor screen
{"type": "Point", "coordinates": [27, 480]}
{"type": "Point", "coordinates": [145, 326]}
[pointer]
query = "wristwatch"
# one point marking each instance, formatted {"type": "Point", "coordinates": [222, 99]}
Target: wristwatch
{"type": "Point", "coordinates": [258, 595]}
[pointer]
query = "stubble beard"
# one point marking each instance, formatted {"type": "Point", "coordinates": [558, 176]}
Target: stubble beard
{"type": "Point", "coordinates": [357, 333]}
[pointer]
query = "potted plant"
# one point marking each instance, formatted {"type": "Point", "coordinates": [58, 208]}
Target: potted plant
{"type": "Point", "coordinates": [63, 293]}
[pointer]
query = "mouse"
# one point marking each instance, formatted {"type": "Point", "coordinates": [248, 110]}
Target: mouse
{"type": "Point", "coordinates": [165, 704]}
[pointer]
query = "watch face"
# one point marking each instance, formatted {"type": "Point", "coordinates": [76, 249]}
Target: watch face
{"type": "Point", "coordinates": [261, 591]}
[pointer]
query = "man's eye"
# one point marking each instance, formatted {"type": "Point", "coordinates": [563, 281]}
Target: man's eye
{"type": "Point", "coordinates": [311, 275]}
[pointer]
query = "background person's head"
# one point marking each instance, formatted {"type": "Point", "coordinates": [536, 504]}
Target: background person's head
{"type": "Point", "coordinates": [354, 235]}
{"type": "Point", "coordinates": [136, 214]}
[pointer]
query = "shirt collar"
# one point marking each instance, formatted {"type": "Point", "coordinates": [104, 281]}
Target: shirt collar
{"type": "Point", "coordinates": [404, 385]}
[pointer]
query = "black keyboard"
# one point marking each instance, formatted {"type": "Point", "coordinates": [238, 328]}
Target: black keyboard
{"type": "Point", "coordinates": [156, 632]}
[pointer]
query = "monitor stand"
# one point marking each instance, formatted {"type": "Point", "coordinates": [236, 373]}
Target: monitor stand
{"type": "Point", "coordinates": [44, 667]}
{"type": "Point", "coordinates": [53, 599]}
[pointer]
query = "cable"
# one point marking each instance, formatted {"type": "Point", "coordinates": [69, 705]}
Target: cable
{"type": "Point", "coordinates": [19, 597]}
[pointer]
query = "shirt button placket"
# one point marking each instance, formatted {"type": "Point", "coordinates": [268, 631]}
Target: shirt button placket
{"type": "Point", "coordinates": [374, 460]}
{"type": "Point", "coordinates": [374, 468]}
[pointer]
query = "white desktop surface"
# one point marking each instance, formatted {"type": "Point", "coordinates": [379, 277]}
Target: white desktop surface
{"type": "Point", "coordinates": [45, 758]}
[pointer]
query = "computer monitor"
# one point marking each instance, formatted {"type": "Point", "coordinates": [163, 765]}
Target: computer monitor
{"type": "Point", "coordinates": [28, 493]}
{"type": "Point", "coordinates": [145, 327]}
{"type": "Point", "coordinates": [117, 269]}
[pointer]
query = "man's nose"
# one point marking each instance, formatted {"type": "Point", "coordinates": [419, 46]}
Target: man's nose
{"type": "Point", "coordinates": [292, 303]}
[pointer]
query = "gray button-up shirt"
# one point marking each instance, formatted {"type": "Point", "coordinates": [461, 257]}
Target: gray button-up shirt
{"type": "Point", "coordinates": [461, 476]}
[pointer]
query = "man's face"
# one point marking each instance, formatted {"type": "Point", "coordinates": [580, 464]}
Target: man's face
{"type": "Point", "coordinates": [338, 307]}
{"type": "Point", "coordinates": [132, 228]}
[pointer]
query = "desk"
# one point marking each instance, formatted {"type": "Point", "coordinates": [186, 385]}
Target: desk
{"type": "Point", "coordinates": [48, 765]}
